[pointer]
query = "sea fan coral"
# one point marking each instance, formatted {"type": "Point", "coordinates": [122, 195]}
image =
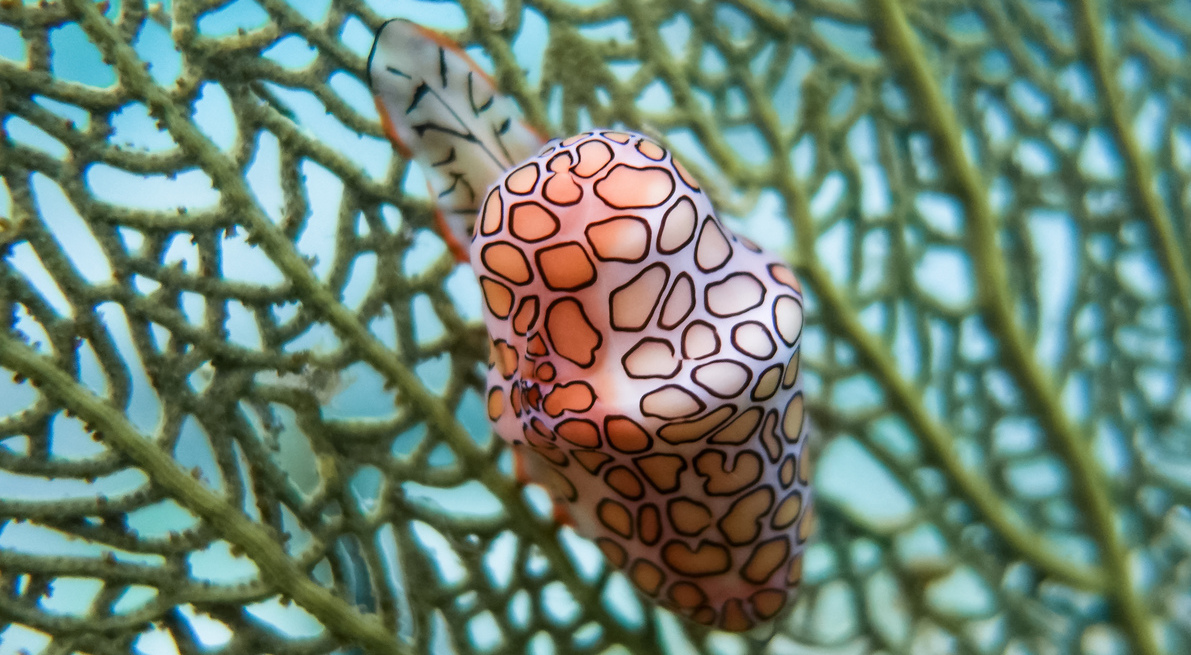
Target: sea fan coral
{"type": "Point", "coordinates": [243, 410]}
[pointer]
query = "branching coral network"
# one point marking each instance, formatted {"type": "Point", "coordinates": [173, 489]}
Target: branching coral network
{"type": "Point", "coordinates": [241, 409]}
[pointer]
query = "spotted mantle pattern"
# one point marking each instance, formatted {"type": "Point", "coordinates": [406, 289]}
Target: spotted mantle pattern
{"type": "Point", "coordinates": [645, 365]}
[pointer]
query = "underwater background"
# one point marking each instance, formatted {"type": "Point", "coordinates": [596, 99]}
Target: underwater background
{"type": "Point", "coordinates": [241, 407]}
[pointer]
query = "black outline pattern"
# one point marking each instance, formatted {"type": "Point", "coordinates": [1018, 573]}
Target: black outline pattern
{"type": "Point", "coordinates": [668, 387]}
{"type": "Point", "coordinates": [492, 246]}
{"type": "Point", "coordinates": [513, 210]}
{"type": "Point", "coordinates": [599, 224]}
{"type": "Point", "coordinates": [630, 173]}
{"type": "Point", "coordinates": [711, 463]}
{"type": "Point", "coordinates": [709, 222]}
{"type": "Point", "coordinates": [618, 444]}
{"type": "Point", "coordinates": [624, 361]}
{"type": "Point", "coordinates": [612, 314]}
{"type": "Point", "coordinates": [672, 511]}
{"type": "Point", "coordinates": [764, 330]}
{"type": "Point", "coordinates": [736, 512]}
{"type": "Point", "coordinates": [721, 364]}
{"type": "Point", "coordinates": [650, 478]}
{"type": "Point", "coordinates": [550, 330]}
{"type": "Point", "coordinates": [557, 250]}
{"type": "Point", "coordinates": [685, 279]}
{"type": "Point", "coordinates": [711, 289]}
{"type": "Point", "coordinates": [699, 323]}
{"type": "Point", "coordinates": [662, 230]}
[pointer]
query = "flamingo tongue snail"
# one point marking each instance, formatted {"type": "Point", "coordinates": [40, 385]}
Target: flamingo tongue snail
{"type": "Point", "coordinates": [644, 360]}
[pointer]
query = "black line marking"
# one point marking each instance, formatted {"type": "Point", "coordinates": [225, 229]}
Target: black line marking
{"type": "Point", "coordinates": [456, 178]}
{"type": "Point", "coordinates": [468, 136]}
{"type": "Point", "coordinates": [498, 134]}
{"type": "Point", "coordinates": [471, 96]}
{"type": "Point", "coordinates": [442, 66]}
{"type": "Point", "coordinates": [445, 160]}
{"type": "Point", "coordinates": [419, 93]}
{"type": "Point", "coordinates": [471, 190]}
{"type": "Point", "coordinates": [397, 72]}
{"type": "Point", "coordinates": [427, 127]}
